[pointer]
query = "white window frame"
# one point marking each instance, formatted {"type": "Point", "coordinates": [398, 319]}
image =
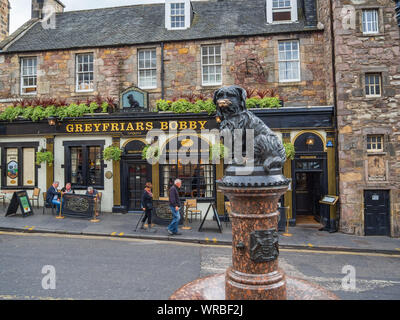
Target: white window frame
{"type": "Point", "coordinates": [177, 15]}
{"type": "Point", "coordinates": [147, 68]}
{"type": "Point", "coordinates": [77, 72]}
{"type": "Point", "coordinates": [168, 14]}
{"type": "Point", "coordinates": [367, 25]}
{"type": "Point", "coordinates": [271, 10]}
{"type": "Point", "coordinates": [374, 95]}
{"type": "Point", "coordinates": [208, 64]}
{"type": "Point", "coordinates": [289, 60]}
{"type": "Point", "coordinates": [29, 74]}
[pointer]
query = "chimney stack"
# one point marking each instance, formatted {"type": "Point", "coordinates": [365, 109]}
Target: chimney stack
{"type": "Point", "coordinates": [4, 19]}
{"type": "Point", "coordinates": [38, 5]}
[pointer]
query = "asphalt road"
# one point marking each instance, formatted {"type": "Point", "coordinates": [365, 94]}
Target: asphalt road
{"type": "Point", "coordinates": [118, 268]}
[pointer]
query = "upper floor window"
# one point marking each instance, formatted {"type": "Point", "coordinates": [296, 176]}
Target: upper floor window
{"type": "Point", "coordinates": [147, 69]}
{"type": "Point", "coordinates": [177, 15]}
{"type": "Point", "coordinates": [211, 63]}
{"type": "Point", "coordinates": [281, 11]}
{"type": "Point", "coordinates": [289, 61]}
{"type": "Point", "coordinates": [29, 75]}
{"type": "Point", "coordinates": [84, 72]}
{"type": "Point", "coordinates": [373, 85]}
{"type": "Point", "coordinates": [370, 21]}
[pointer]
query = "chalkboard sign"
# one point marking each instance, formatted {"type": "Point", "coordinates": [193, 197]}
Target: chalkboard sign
{"type": "Point", "coordinates": [216, 216]}
{"type": "Point", "coordinates": [78, 206]}
{"type": "Point", "coordinates": [20, 199]}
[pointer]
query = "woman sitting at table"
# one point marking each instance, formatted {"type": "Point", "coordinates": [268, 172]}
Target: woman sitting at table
{"type": "Point", "coordinates": [68, 189]}
{"type": "Point", "coordinates": [53, 196]}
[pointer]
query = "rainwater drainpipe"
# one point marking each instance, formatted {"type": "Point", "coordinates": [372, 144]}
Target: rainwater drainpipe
{"type": "Point", "coordinates": [335, 102]}
{"type": "Point", "coordinates": [162, 72]}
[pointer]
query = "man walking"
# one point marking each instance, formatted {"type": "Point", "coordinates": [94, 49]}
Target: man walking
{"type": "Point", "coordinates": [174, 204]}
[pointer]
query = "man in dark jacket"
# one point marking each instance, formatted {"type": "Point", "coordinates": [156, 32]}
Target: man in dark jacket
{"type": "Point", "coordinates": [53, 196]}
{"type": "Point", "coordinates": [174, 204]}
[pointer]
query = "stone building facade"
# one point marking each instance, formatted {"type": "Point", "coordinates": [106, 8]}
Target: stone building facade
{"type": "Point", "coordinates": [367, 64]}
{"type": "Point", "coordinates": [4, 19]}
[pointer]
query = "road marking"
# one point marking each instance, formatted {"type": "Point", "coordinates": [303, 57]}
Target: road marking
{"type": "Point", "coordinates": [310, 245]}
{"type": "Point", "coordinates": [126, 239]}
{"type": "Point", "coordinates": [15, 297]}
{"type": "Point", "coordinates": [121, 234]}
{"type": "Point", "coordinates": [215, 240]}
{"type": "Point", "coordinates": [207, 239]}
{"type": "Point", "coordinates": [398, 249]}
{"type": "Point", "coordinates": [113, 234]}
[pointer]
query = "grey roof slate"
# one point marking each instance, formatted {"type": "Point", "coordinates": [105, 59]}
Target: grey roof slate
{"type": "Point", "coordinates": [139, 24]}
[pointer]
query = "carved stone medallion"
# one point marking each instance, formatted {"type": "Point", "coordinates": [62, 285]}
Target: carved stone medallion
{"type": "Point", "coordinates": [264, 246]}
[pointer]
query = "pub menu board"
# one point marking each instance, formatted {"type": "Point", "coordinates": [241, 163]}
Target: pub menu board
{"type": "Point", "coordinates": [20, 199]}
{"type": "Point", "coordinates": [329, 200]}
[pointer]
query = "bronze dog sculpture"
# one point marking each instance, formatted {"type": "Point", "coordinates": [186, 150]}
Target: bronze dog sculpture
{"type": "Point", "coordinates": [232, 113]}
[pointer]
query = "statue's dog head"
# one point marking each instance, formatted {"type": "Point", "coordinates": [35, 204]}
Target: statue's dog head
{"type": "Point", "coordinates": [230, 100]}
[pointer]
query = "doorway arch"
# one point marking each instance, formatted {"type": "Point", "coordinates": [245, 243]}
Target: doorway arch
{"type": "Point", "coordinates": [310, 178]}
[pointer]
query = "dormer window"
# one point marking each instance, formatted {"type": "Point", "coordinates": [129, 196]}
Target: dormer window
{"type": "Point", "coordinates": [281, 11]}
{"type": "Point", "coordinates": [177, 14]}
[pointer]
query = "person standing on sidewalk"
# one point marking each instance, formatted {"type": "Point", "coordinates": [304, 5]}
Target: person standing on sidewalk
{"type": "Point", "coordinates": [147, 205]}
{"type": "Point", "coordinates": [174, 204]}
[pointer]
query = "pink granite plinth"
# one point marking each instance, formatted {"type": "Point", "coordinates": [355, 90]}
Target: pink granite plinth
{"type": "Point", "coordinates": [213, 288]}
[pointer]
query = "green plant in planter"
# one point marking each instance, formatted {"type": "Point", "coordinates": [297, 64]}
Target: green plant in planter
{"type": "Point", "coordinates": [44, 156]}
{"type": "Point", "coordinates": [162, 105]}
{"type": "Point", "coordinates": [104, 107]}
{"type": "Point", "coordinates": [11, 113]}
{"type": "Point", "coordinates": [290, 151]}
{"type": "Point", "coordinates": [38, 114]}
{"type": "Point", "coordinates": [112, 153]}
{"type": "Point", "coordinates": [218, 151]}
{"type": "Point", "coordinates": [151, 153]}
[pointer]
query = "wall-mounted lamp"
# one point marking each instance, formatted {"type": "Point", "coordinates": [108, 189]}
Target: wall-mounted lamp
{"type": "Point", "coordinates": [310, 141]}
{"type": "Point", "coordinates": [52, 121]}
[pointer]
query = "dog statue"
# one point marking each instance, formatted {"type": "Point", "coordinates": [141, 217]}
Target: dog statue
{"type": "Point", "coordinates": [232, 113]}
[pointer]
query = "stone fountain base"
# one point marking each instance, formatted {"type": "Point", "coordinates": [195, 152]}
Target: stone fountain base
{"type": "Point", "coordinates": [213, 288]}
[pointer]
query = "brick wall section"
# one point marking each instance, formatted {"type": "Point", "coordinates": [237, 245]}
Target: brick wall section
{"type": "Point", "coordinates": [358, 116]}
{"type": "Point", "coordinates": [4, 16]}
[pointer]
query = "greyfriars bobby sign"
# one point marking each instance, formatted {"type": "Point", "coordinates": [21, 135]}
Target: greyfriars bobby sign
{"type": "Point", "coordinates": [134, 100]}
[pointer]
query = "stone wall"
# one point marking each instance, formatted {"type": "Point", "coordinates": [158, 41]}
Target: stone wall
{"type": "Point", "coordinates": [359, 116]}
{"type": "Point", "coordinates": [116, 69]}
{"type": "Point", "coordinates": [4, 19]}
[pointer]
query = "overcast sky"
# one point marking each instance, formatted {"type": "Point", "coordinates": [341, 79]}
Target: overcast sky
{"type": "Point", "coordinates": [21, 9]}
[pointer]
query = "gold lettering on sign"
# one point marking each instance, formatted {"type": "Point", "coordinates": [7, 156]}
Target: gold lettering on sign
{"type": "Point", "coordinates": [106, 126]}
{"type": "Point", "coordinates": [164, 125]}
{"type": "Point", "coordinates": [193, 125]}
{"type": "Point", "coordinates": [70, 128]}
{"type": "Point", "coordinates": [149, 126]}
{"type": "Point", "coordinates": [123, 126]}
{"type": "Point", "coordinates": [202, 124]}
{"type": "Point", "coordinates": [88, 127]}
{"type": "Point", "coordinates": [130, 127]}
{"type": "Point", "coordinates": [78, 128]}
{"type": "Point", "coordinates": [139, 126]}
{"type": "Point", "coordinates": [97, 127]}
{"type": "Point", "coordinates": [183, 125]}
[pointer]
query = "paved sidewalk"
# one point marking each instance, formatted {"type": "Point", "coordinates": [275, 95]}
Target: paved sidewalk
{"type": "Point", "coordinates": [119, 225]}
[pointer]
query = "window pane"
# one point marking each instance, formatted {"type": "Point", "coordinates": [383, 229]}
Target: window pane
{"type": "Point", "coordinates": [77, 166]}
{"type": "Point", "coordinates": [94, 166]}
{"type": "Point", "coordinates": [12, 167]}
{"type": "Point", "coordinates": [29, 167]}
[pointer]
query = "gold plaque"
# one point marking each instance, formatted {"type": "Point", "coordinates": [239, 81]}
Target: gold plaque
{"type": "Point", "coordinates": [109, 175]}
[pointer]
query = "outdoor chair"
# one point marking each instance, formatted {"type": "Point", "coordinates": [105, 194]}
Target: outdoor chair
{"type": "Point", "coordinates": [48, 205]}
{"type": "Point", "coordinates": [192, 209]}
{"type": "Point", "coordinates": [35, 197]}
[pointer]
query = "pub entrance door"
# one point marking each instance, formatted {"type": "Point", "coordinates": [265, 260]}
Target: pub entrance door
{"type": "Point", "coordinates": [137, 176]}
{"type": "Point", "coordinates": [135, 172]}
